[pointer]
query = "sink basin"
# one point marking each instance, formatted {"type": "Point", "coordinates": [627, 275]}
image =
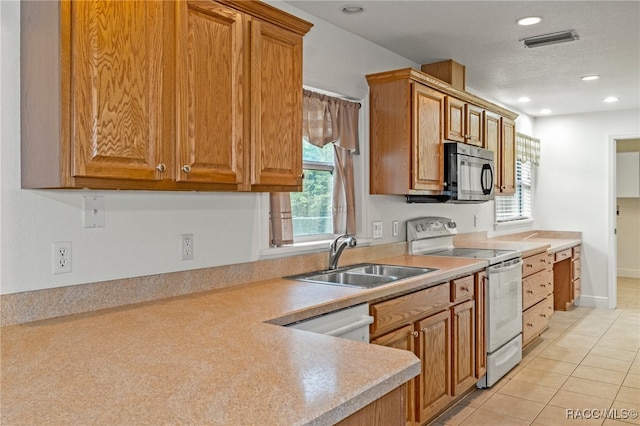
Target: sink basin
{"type": "Point", "coordinates": [365, 275]}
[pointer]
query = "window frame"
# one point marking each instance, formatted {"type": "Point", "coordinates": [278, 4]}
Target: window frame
{"type": "Point", "coordinates": [524, 190]}
{"type": "Point", "coordinates": [315, 166]}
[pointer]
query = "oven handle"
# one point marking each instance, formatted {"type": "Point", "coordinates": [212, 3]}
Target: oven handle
{"type": "Point", "coordinates": [501, 268]}
{"type": "Point", "coordinates": [350, 327]}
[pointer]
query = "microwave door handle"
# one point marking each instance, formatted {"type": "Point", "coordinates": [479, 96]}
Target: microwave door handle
{"type": "Point", "coordinates": [486, 168]}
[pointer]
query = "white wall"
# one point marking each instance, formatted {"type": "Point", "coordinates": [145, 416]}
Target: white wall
{"type": "Point", "coordinates": [575, 191]}
{"type": "Point", "coordinates": [142, 230]}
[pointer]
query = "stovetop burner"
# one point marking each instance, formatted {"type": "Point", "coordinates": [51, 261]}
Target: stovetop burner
{"type": "Point", "coordinates": [434, 236]}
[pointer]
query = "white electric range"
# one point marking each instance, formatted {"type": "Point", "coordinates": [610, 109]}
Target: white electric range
{"type": "Point", "coordinates": [503, 290]}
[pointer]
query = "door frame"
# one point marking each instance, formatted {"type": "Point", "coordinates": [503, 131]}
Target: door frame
{"type": "Point", "coordinates": [612, 218]}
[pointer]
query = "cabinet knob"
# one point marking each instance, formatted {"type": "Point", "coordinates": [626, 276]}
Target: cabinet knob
{"type": "Point", "coordinates": [415, 334]}
{"type": "Point", "coordinates": [424, 330]}
{"type": "Point", "coordinates": [543, 315]}
{"type": "Point", "coordinates": [186, 168]}
{"type": "Point", "coordinates": [529, 324]}
{"type": "Point", "coordinates": [530, 291]}
{"type": "Point", "coordinates": [543, 285]}
{"type": "Point", "coordinates": [161, 167]}
{"type": "Point", "coordinates": [465, 288]}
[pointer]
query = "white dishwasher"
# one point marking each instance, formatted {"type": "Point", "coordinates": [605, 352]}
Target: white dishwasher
{"type": "Point", "coordinates": [349, 323]}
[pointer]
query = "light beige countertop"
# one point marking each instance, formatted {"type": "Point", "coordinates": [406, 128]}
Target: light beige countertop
{"type": "Point", "coordinates": [528, 243]}
{"type": "Point", "coordinates": [219, 357]}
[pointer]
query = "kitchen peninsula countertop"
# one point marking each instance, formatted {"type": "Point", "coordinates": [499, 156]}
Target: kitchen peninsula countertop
{"type": "Point", "coordinates": [219, 357]}
{"type": "Point", "coordinates": [528, 243]}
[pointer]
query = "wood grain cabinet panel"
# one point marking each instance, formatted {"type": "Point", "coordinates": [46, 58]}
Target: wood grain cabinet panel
{"type": "Point", "coordinates": [463, 122]}
{"type": "Point", "coordinates": [210, 133]}
{"type": "Point", "coordinates": [183, 95]}
{"type": "Point", "coordinates": [403, 338]}
{"type": "Point", "coordinates": [508, 157]}
{"type": "Point", "coordinates": [434, 348]}
{"type": "Point", "coordinates": [428, 164]}
{"type": "Point", "coordinates": [276, 107]}
{"type": "Point", "coordinates": [464, 354]}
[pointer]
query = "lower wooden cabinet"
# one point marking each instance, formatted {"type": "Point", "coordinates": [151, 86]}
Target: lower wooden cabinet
{"type": "Point", "coordinates": [464, 356]}
{"type": "Point", "coordinates": [434, 351]}
{"type": "Point", "coordinates": [444, 328]}
{"type": "Point", "coordinates": [566, 277]}
{"type": "Point", "coordinates": [537, 295]}
{"type": "Point", "coordinates": [387, 410]}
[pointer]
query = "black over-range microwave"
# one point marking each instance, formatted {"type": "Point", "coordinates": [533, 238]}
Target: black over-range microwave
{"type": "Point", "coordinates": [468, 176]}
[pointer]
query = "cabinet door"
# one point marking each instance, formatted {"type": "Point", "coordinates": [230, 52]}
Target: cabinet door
{"type": "Point", "coordinates": [276, 106]}
{"type": "Point", "coordinates": [508, 185]}
{"type": "Point", "coordinates": [403, 338]}
{"type": "Point", "coordinates": [210, 83]}
{"type": "Point", "coordinates": [428, 150]}
{"type": "Point", "coordinates": [434, 349]}
{"type": "Point", "coordinates": [117, 105]}
{"type": "Point", "coordinates": [481, 348]}
{"type": "Point", "coordinates": [454, 127]}
{"type": "Point", "coordinates": [492, 139]}
{"type": "Point", "coordinates": [474, 125]}
{"type": "Point", "coordinates": [463, 357]}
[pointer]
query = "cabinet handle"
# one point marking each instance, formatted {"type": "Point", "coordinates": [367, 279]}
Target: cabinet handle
{"type": "Point", "coordinates": [301, 176]}
{"type": "Point", "coordinates": [529, 324]}
{"type": "Point", "coordinates": [186, 168]}
{"type": "Point", "coordinates": [424, 330]}
{"type": "Point", "coordinates": [465, 288]}
{"type": "Point", "coordinates": [530, 291]}
{"type": "Point", "coordinates": [161, 167]}
{"type": "Point", "coordinates": [529, 265]}
{"type": "Point", "coordinates": [543, 315]}
{"type": "Point", "coordinates": [415, 334]}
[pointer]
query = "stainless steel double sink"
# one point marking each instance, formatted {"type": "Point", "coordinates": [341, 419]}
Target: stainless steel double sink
{"type": "Point", "coordinates": [363, 275]}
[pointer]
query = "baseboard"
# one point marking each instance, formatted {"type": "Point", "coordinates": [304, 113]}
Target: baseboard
{"type": "Point", "coordinates": [628, 273]}
{"type": "Point", "coordinates": [593, 301]}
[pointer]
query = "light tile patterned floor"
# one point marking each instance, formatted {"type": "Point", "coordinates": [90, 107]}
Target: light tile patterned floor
{"type": "Point", "coordinates": [588, 359]}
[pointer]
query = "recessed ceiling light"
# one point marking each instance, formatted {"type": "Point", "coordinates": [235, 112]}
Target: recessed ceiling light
{"type": "Point", "coordinates": [590, 77]}
{"type": "Point", "coordinates": [352, 9]}
{"type": "Point", "coordinates": [529, 20]}
{"type": "Point", "coordinates": [545, 111]}
{"type": "Point", "coordinates": [524, 99]}
{"type": "Point", "coordinates": [610, 99]}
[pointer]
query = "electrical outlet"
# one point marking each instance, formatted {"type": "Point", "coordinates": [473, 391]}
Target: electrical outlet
{"type": "Point", "coordinates": [186, 247]}
{"type": "Point", "coordinates": [395, 228]}
{"type": "Point", "coordinates": [61, 257]}
{"type": "Point", "coordinates": [377, 229]}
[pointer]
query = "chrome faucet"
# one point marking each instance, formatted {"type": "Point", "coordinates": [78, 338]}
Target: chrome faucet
{"type": "Point", "coordinates": [335, 250]}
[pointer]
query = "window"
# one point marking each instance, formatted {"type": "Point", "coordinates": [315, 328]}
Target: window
{"type": "Point", "coordinates": [517, 206]}
{"type": "Point", "coordinates": [311, 208]}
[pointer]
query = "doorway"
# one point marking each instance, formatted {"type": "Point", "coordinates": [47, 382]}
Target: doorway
{"type": "Point", "coordinates": [625, 263]}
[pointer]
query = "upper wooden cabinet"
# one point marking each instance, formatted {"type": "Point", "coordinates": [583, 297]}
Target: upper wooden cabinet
{"type": "Point", "coordinates": [161, 95]}
{"type": "Point", "coordinates": [411, 115]}
{"type": "Point", "coordinates": [464, 122]}
{"type": "Point", "coordinates": [406, 138]}
{"type": "Point", "coordinates": [500, 137]}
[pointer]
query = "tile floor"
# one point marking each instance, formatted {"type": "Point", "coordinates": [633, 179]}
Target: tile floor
{"type": "Point", "coordinates": [588, 359]}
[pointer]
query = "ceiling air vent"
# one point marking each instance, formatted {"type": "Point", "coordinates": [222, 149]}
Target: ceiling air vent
{"type": "Point", "coordinates": [553, 38]}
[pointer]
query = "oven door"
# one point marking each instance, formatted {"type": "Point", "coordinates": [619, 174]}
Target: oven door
{"type": "Point", "coordinates": [504, 303]}
{"type": "Point", "coordinates": [475, 178]}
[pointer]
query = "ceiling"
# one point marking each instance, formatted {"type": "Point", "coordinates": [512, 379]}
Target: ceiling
{"type": "Point", "coordinates": [484, 36]}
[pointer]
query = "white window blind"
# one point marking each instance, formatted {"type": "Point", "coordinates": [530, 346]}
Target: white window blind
{"type": "Point", "coordinates": [517, 206]}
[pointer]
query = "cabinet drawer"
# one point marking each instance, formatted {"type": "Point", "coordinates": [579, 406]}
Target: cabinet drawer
{"type": "Point", "coordinates": [575, 270]}
{"type": "Point", "coordinates": [533, 264]}
{"type": "Point", "coordinates": [577, 289]}
{"type": "Point", "coordinates": [536, 319]}
{"type": "Point", "coordinates": [462, 289]}
{"type": "Point", "coordinates": [536, 287]}
{"type": "Point", "coordinates": [401, 310]}
{"type": "Point", "coordinates": [577, 252]}
{"type": "Point", "coordinates": [564, 254]}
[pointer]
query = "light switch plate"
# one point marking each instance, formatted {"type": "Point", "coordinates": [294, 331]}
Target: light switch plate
{"type": "Point", "coordinates": [377, 229]}
{"type": "Point", "coordinates": [93, 211]}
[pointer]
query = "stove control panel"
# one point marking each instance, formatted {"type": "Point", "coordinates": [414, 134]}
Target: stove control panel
{"type": "Point", "coordinates": [430, 227]}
